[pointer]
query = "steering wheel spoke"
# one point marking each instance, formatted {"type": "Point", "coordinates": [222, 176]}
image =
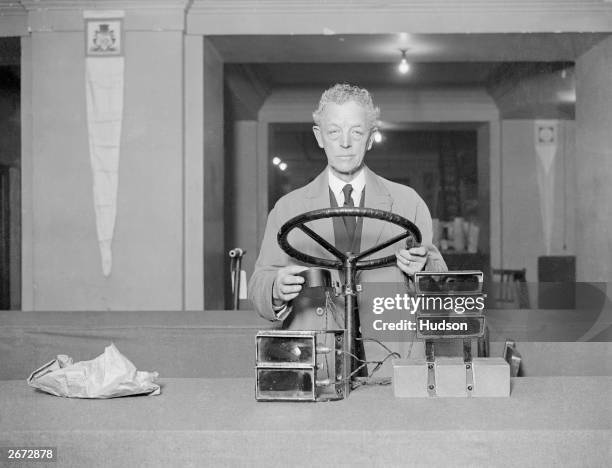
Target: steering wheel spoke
{"type": "Point", "coordinates": [322, 242]}
{"type": "Point", "coordinates": [385, 244]}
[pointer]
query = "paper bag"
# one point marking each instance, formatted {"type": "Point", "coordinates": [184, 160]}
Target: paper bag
{"type": "Point", "coordinates": [109, 375]}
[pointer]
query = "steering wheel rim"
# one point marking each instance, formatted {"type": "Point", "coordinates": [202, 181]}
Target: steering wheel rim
{"type": "Point", "coordinates": [298, 222]}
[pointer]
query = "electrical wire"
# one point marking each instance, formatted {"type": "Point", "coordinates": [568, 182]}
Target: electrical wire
{"type": "Point", "coordinates": [368, 380]}
{"type": "Point", "coordinates": [330, 307]}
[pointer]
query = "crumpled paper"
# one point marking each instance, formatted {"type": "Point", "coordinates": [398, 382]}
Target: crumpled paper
{"type": "Point", "coordinates": [109, 375]}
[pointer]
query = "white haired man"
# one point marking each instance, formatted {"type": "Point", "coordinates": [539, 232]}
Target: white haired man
{"type": "Point", "coordinates": [345, 124]}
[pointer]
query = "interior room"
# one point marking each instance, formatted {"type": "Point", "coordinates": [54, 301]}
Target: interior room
{"type": "Point", "coordinates": [137, 176]}
{"type": "Point", "coordinates": [509, 78]}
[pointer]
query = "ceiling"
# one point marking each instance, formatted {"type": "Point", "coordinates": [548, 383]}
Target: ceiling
{"type": "Point", "coordinates": [422, 74]}
{"type": "Point", "coordinates": [385, 48]}
{"type": "Point", "coordinates": [492, 61]}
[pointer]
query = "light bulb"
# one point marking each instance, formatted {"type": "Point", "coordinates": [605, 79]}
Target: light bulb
{"type": "Point", "coordinates": [282, 166]}
{"type": "Point", "coordinates": [404, 66]}
{"type": "Point", "coordinates": [377, 137]}
{"type": "Point", "coordinates": [276, 161]}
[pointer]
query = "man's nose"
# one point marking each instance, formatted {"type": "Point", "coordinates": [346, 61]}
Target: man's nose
{"type": "Point", "coordinates": [346, 140]}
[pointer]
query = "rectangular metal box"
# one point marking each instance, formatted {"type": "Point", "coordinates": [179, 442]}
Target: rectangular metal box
{"type": "Point", "coordinates": [299, 365]}
{"type": "Point", "coordinates": [410, 378]}
{"type": "Point", "coordinates": [451, 377]}
{"type": "Point", "coordinates": [458, 283]}
{"type": "Point", "coordinates": [491, 377]}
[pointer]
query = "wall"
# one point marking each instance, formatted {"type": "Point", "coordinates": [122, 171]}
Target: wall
{"type": "Point", "coordinates": [215, 252]}
{"type": "Point", "coordinates": [64, 270]}
{"type": "Point", "coordinates": [538, 90]}
{"type": "Point", "coordinates": [594, 167]}
{"type": "Point", "coordinates": [522, 240]}
{"type": "Point", "coordinates": [242, 184]}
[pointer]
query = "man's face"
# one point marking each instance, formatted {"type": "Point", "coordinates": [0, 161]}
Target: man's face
{"type": "Point", "coordinates": [345, 135]}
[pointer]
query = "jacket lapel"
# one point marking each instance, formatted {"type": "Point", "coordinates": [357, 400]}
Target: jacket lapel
{"type": "Point", "coordinates": [377, 197]}
{"type": "Point", "coordinates": [317, 197]}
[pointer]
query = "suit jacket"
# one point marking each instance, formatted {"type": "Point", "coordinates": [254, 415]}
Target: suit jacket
{"type": "Point", "coordinates": [380, 194]}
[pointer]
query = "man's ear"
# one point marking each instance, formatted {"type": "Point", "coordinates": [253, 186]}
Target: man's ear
{"type": "Point", "coordinates": [371, 138]}
{"type": "Point", "coordinates": [317, 133]}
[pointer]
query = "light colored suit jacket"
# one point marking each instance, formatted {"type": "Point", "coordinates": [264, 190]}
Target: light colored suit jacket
{"type": "Point", "coordinates": [380, 194]}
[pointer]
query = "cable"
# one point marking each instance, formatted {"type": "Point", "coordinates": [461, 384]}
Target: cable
{"type": "Point", "coordinates": [355, 357]}
{"type": "Point", "coordinates": [380, 343]}
{"type": "Point", "coordinates": [368, 380]}
{"type": "Point", "coordinates": [330, 307]}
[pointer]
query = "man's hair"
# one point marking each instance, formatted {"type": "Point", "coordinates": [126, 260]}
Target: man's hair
{"type": "Point", "coordinates": [341, 93]}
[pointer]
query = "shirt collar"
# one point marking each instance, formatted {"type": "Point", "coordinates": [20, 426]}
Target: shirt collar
{"type": "Point", "coordinates": [336, 185]}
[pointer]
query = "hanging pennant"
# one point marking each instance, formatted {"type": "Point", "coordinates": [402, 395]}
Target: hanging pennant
{"type": "Point", "coordinates": [104, 71]}
{"type": "Point", "coordinates": [546, 141]}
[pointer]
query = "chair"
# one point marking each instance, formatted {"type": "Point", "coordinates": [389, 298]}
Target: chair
{"type": "Point", "coordinates": [512, 287]}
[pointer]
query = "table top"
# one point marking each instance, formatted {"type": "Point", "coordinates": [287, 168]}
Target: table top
{"type": "Point", "coordinates": [546, 420]}
{"type": "Point", "coordinates": [559, 403]}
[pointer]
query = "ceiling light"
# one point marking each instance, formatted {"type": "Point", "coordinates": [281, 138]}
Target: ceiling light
{"type": "Point", "coordinates": [276, 161]}
{"type": "Point", "coordinates": [282, 166]}
{"type": "Point", "coordinates": [404, 66]}
{"type": "Point", "coordinates": [377, 137]}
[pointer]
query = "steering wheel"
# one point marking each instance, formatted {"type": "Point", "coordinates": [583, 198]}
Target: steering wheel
{"type": "Point", "coordinates": [411, 233]}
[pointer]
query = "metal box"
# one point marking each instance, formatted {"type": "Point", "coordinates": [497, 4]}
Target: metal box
{"type": "Point", "coordinates": [448, 283]}
{"type": "Point", "coordinates": [451, 380]}
{"type": "Point", "coordinates": [491, 377]}
{"type": "Point", "coordinates": [410, 378]}
{"type": "Point", "coordinates": [299, 365]}
{"type": "Point", "coordinates": [451, 377]}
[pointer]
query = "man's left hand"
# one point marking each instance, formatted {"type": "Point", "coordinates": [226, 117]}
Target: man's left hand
{"type": "Point", "coordinates": [413, 260]}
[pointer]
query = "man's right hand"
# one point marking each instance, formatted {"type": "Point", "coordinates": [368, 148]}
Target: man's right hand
{"type": "Point", "coordinates": [287, 285]}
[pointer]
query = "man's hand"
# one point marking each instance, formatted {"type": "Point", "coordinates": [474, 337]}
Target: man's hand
{"type": "Point", "coordinates": [413, 260]}
{"type": "Point", "coordinates": [287, 285]}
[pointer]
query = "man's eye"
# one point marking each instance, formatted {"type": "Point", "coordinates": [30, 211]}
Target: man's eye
{"type": "Point", "coordinates": [358, 133]}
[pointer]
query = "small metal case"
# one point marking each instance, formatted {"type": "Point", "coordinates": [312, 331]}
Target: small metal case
{"type": "Point", "coordinates": [299, 365]}
{"type": "Point", "coordinates": [451, 377]}
{"type": "Point", "coordinates": [449, 283]}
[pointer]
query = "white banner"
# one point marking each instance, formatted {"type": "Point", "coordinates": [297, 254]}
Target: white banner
{"type": "Point", "coordinates": [104, 85]}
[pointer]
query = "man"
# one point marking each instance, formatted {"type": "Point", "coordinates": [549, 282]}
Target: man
{"type": "Point", "coordinates": [345, 123]}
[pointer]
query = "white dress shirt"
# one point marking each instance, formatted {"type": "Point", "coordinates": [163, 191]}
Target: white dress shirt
{"type": "Point", "coordinates": [336, 185]}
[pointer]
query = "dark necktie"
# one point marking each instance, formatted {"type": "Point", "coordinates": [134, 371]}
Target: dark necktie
{"type": "Point", "coordinates": [349, 221]}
